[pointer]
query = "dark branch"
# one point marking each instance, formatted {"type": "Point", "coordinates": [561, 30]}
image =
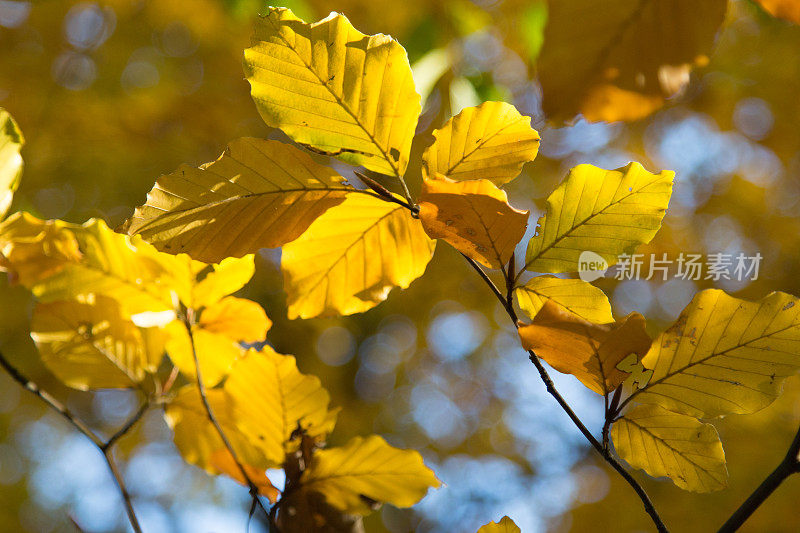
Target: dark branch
{"type": "Point", "coordinates": [790, 465]}
{"type": "Point", "coordinates": [82, 427]}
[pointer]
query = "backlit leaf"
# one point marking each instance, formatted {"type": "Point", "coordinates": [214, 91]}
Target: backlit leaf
{"type": "Point", "coordinates": [504, 525]}
{"type": "Point", "coordinates": [680, 447]}
{"type": "Point", "coordinates": [91, 345]}
{"type": "Point", "coordinates": [622, 61]}
{"type": "Point", "coordinates": [223, 461]}
{"type": "Point", "coordinates": [11, 142]}
{"type": "Point", "coordinates": [331, 87]}
{"type": "Point", "coordinates": [474, 217]}
{"type": "Point", "coordinates": [32, 249]}
{"type": "Point", "coordinates": [588, 351]}
{"type": "Point", "coordinates": [198, 440]}
{"type": "Point", "coordinates": [368, 467]}
{"type": "Point", "coordinates": [724, 355]}
{"type": "Point", "coordinates": [491, 141]}
{"type": "Point", "coordinates": [352, 256]}
{"type": "Point", "coordinates": [228, 276]}
{"type": "Point", "coordinates": [272, 399]}
{"type": "Point", "coordinates": [217, 336]}
{"type": "Point", "coordinates": [609, 212]}
{"type": "Point", "coordinates": [575, 295]}
{"type": "Point", "coordinates": [258, 194]}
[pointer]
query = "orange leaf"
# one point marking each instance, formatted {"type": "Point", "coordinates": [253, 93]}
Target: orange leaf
{"type": "Point", "coordinates": [590, 352]}
{"type": "Point", "coordinates": [474, 217]}
{"type": "Point", "coordinates": [223, 461]}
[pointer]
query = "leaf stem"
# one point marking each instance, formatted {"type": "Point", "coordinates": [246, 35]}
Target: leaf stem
{"type": "Point", "coordinates": [788, 466]}
{"type": "Point", "coordinates": [82, 427]}
{"type": "Point", "coordinates": [188, 319]}
{"type": "Point", "coordinates": [551, 389]}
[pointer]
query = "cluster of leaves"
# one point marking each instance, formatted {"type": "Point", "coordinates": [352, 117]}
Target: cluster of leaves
{"type": "Point", "coordinates": [110, 305]}
{"type": "Point", "coordinates": [341, 93]}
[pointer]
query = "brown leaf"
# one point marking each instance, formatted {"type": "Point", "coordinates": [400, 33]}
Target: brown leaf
{"type": "Point", "coordinates": [590, 352]}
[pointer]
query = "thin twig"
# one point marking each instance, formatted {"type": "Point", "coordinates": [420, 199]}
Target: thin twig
{"type": "Point", "coordinates": [551, 389]}
{"type": "Point", "coordinates": [128, 425]}
{"type": "Point", "coordinates": [790, 465]}
{"type": "Point", "coordinates": [82, 427]}
{"type": "Point", "coordinates": [187, 321]}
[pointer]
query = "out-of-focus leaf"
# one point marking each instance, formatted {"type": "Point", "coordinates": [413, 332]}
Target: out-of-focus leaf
{"type": "Point", "coordinates": [91, 345]}
{"type": "Point", "coordinates": [217, 336]}
{"type": "Point", "coordinates": [622, 61]}
{"type": "Point", "coordinates": [608, 212]}
{"type": "Point", "coordinates": [352, 256]}
{"type": "Point", "coordinates": [258, 194]}
{"type": "Point", "coordinates": [576, 296]}
{"type": "Point", "coordinates": [368, 468]}
{"type": "Point", "coordinates": [272, 399]}
{"type": "Point", "coordinates": [223, 461]}
{"type": "Point", "coordinates": [198, 440]}
{"type": "Point", "coordinates": [331, 87]}
{"type": "Point", "coordinates": [474, 217]}
{"type": "Point", "coordinates": [504, 525]}
{"type": "Point", "coordinates": [785, 9]}
{"type": "Point", "coordinates": [228, 276]}
{"type": "Point", "coordinates": [32, 249]}
{"type": "Point", "coordinates": [491, 141]}
{"type": "Point", "coordinates": [127, 269]}
{"type": "Point", "coordinates": [11, 142]}
{"type": "Point", "coordinates": [680, 447]}
{"type": "Point", "coordinates": [724, 355]}
{"type": "Point", "coordinates": [590, 352]}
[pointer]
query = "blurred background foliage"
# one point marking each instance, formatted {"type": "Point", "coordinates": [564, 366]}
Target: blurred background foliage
{"type": "Point", "coordinates": [112, 94]}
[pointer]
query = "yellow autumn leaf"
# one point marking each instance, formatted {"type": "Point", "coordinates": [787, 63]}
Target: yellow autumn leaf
{"type": "Point", "coordinates": [352, 256]}
{"type": "Point", "coordinates": [11, 142]}
{"type": "Point", "coordinates": [86, 259]}
{"type": "Point", "coordinates": [258, 194]}
{"type": "Point", "coordinates": [622, 61]}
{"type": "Point", "coordinates": [329, 86]}
{"type": "Point", "coordinates": [680, 447]}
{"type": "Point", "coordinates": [724, 355]}
{"type": "Point", "coordinates": [576, 296]}
{"type": "Point", "coordinates": [223, 461]}
{"type": "Point", "coordinates": [474, 217]}
{"type": "Point", "coordinates": [785, 9]}
{"type": "Point", "coordinates": [271, 399]}
{"type": "Point", "coordinates": [368, 467]}
{"type": "Point", "coordinates": [199, 442]}
{"type": "Point", "coordinates": [221, 328]}
{"type": "Point", "coordinates": [227, 277]}
{"type": "Point", "coordinates": [504, 525]}
{"type": "Point", "coordinates": [608, 212]}
{"type": "Point", "coordinates": [91, 345]}
{"type": "Point", "coordinates": [491, 141]}
{"type": "Point", "coordinates": [32, 249]}
{"type": "Point", "coordinates": [590, 352]}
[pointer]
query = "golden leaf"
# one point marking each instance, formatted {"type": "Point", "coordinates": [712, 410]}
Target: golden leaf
{"type": "Point", "coordinates": [491, 141]}
{"type": "Point", "coordinates": [258, 194]}
{"type": "Point", "coordinates": [474, 217]}
{"type": "Point", "coordinates": [11, 142]}
{"type": "Point", "coordinates": [329, 86]}
{"type": "Point", "coordinates": [724, 355]}
{"type": "Point", "coordinates": [504, 525]}
{"type": "Point", "coordinates": [576, 296]}
{"type": "Point", "coordinates": [680, 447]}
{"type": "Point", "coordinates": [352, 256]}
{"type": "Point", "coordinates": [608, 212]}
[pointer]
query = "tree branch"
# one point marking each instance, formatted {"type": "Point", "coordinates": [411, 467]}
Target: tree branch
{"type": "Point", "coordinates": [790, 465]}
{"type": "Point", "coordinates": [187, 321]}
{"type": "Point", "coordinates": [82, 427]}
{"type": "Point", "coordinates": [551, 389]}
